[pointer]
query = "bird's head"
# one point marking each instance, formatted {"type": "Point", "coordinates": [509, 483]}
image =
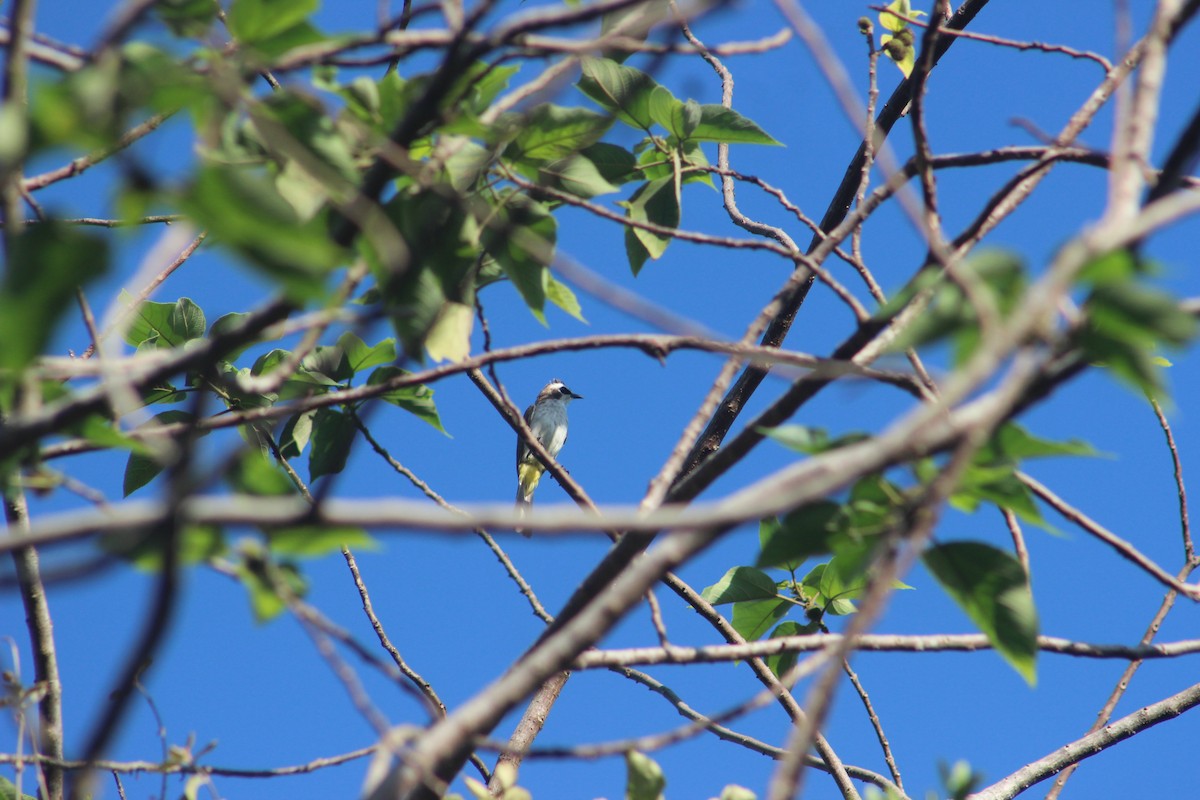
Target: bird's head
{"type": "Point", "coordinates": [557, 390]}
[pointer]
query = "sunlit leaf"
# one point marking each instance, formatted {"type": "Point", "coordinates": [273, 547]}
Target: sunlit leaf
{"type": "Point", "coordinates": [644, 777]}
{"type": "Point", "coordinates": [623, 90]}
{"type": "Point", "coordinates": [720, 124]}
{"type": "Point", "coordinates": [450, 337]}
{"type": "Point", "coordinates": [753, 618]}
{"type": "Point", "coordinates": [738, 584]}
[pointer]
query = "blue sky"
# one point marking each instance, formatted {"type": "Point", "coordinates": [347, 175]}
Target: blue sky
{"type": "Point", "coordinates": [266, 697]}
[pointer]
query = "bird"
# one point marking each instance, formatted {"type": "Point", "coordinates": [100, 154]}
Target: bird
{"type": "Point", "coordinates": [547, 418]}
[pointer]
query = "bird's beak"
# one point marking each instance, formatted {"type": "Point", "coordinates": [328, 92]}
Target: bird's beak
{"type": "Point", "coordinates": [575, 396]}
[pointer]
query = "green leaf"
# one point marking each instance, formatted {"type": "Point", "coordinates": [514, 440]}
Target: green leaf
{"type": "Point", "coordinates": [46, 264]}
{"type": "Point", "coordinates": [150, 324]}
{"type": "Point", "coordinates": [1013, 442]}
{"type": "Point", "coordinates": [8, 791]}
{"type": "Point", "coordinates": [781, 663]}
{"type": "Point", "coordinates": [101, 431]}
{"type": "Point", "coordinates": [263, 579]}
{"type": "Point", "coordinates": [187, 320]}
{"type": "Point", "coordinates": [295, 435]}
{"type": "Point", "coordinates": [577, 175]}
{"type": "Point", "coordinates": [655, 202]}
{"type": "Point", "coordinates": [332, 434]}
{"type": "Point", "coordinates": [1125, 323]}
{"type": "Point", "coordinates": [802, 533]}
{"type": "Point", "coordinates": [360, 356]}
{"type": "Point", "coordinates": [753, 618]}
{"type": "Point", "coordinates": [644, 778]}
{"type": "Point", "coordinates": [551, 133]}
{"type": "Point", "coordinates": [998, 485]}
{"type": "Point", "coordinates": [522, 237]}
{"type": "Point", "coordinates": [902, 7]}
{"type": "Point", "coordinates": [227, 323]}
{"type": "Point", "coordinates": [625, 91]}
{"type": "Point", "coordinates": [187, 18]}
{"type": "Point", "coordinates": [450, 337]}
{"type": "Point", "coordinates": [417, 399]}
{"type": "Point", "coordinates": [256, 20]}
{"type": "Point", "coordinates": [197, 544]}
{"type": "Point", "coordinates": [312, 541]}
{"type": "Point", "coordinates": [635, 251]}
{"type": "Point", "coordinates": [561, 295]}
{"type": "Point", "coordinates": [258, 474]}
{"type": "Point", "coordinates": [735, 792]}
{"type": "Point", "coordinates": [720, 124]}
{"type": "Point", "coordinates": [325, 365]}
{"type": "Point", "coordinates": [244, 212]}
{"type": "Point", "coordinates": [990, 585]}
{"type": "Point", "coordinates": [739, 584]}
{"type": "Point", "coordinates": [811, 441]}
{"type": "Point", "coordinates": [140, 469]}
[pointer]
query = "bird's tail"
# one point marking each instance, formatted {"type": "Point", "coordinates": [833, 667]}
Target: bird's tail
{"type": "Point", "coordinates": [528, 476]}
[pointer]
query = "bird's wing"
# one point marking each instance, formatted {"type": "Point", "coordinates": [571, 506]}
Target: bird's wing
{"type": "Point", "coordinates": [522, 448]}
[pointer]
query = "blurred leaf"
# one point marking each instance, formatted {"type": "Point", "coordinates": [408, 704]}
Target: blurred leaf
{"type": "Point", "coordinates": [312, 541]}
{"type": "Point", "coordinates": [261, 578]}
{"type": "Point", "coordinates": [332, 434]}
{"type": "Point", "coordinates": [799, 535]}
{"type": "Point", "coordinates": [8, 791]}
{"type": "Point", "coordinates": [738, 584]}
{"type": "Point", "coordinates": [811, 441]}
{"type": "Point", "coordinates": [450, 337]}
{"type": "Point", "coordinates": [1125, 323]}
{"type": "Point", "coordinates": [102, 431]}
{"type": "Point", "coordinates": [258, 474]}
{"type": "Point", "coordinates": [623, 90]}
{"type": "Point", "coordinates": [187, 18]}
{"type": "Point", "coordinates": [1012, 441]}
{"type": "Point", "coordinates": [417, 399]}
{"type": "Point", "coordinates": [227, 323]}
{"type": "Point", "coordinates": [901, 7]}
{"type": "Point", "coordinates": [141, 469]}
{"type": "Point", "coordinates": [522, 237]}
{"type": "Point", "coordinates": [644, 777]}
{"type": "Point", "coordinates": [256, 20]}
{"type": "Point", "coordinates": [197, 544]}
{"type": "Point", "coordinates": [46, 264]}
{"type": "Point", "coordinates": [561, 295]}
{"type": "Point", "coordinates": [998, 485]}
{"type": "Point", "coordinates": [992, 588]}
{"type": "Point", "coordinates": [735, 792]}
{"type": "Point", "coordinates": [244, 212]}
